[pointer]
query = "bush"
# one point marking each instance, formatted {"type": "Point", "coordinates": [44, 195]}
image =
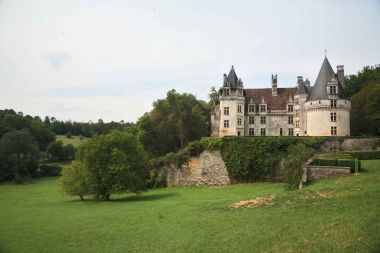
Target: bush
{"type": "Point", "coordinates": [294, 163]}
{"type": "Point", "coordinates": [195, 148]}
{"type": "Point", "coordinates": [211, 143]}
{"type": "Point", "coordinates": [69, 135]}
{"type": "Point", "coordinates": [49, 170]}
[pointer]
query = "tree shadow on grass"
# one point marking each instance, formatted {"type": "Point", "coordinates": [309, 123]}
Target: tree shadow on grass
{"type": "Point", "coordinates": [129, 198]}
{"type": "Point", "coordinates": [142, 197]}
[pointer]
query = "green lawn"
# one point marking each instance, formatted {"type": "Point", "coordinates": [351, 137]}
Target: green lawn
{"type": "Point", "coordinates": [74, 140]}
{"type": "Point", "coordinates": [334, 215]}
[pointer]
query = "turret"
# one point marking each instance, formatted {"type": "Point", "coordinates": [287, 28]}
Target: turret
{"type": "Point", "coordinates": [274, 85]}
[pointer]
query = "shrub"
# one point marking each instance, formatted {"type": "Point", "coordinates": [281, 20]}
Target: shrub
{"type": "Point", "coordinates": [49, 170]}
{"type": "Point", "coordinates": [69, 135]}
{"type": "Point", "coordinates": [294, 163]}
{"type": "Point", "coordinates": [195, 148]}
{"type": "Point", "coordinates": [211, 143]}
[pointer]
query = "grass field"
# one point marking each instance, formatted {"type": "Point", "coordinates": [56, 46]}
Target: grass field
{"type": "Point", "coordinates": [74, 140]}
{"type": "Point", "coordinates": [333, 215]}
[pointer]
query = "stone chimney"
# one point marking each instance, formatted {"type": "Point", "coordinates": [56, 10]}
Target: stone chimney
{"type": "Point", "coordinates": [274, 85]}
{"type": "Point", "coordinates": [307, 83]}
{"type": "Point", "coordinates": [340, 75]}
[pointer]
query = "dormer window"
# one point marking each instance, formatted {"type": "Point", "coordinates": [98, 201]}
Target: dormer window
{"type": "Point", "coordinates": [290, 108]}
{"type": "Point", "coordinates": [263, 108]}
{"type": "Point", "coordinates": [251, 108]}
{"type": "Point", "coordinates": [333, 90]}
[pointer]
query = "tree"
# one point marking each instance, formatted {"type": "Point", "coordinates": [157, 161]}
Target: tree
{"type": "Point", "coordinates": [213, 96]}
{"type": "Point", "coordinates": [75, 180]}
{"type": "Point", "coordinates": [365, 112]}
{"type": "Point", "coordinates": [173, 123]}
{"type": "Point", "coordinates": [112, 163]}
{"type": "Point", "coordinates": [19, 155]}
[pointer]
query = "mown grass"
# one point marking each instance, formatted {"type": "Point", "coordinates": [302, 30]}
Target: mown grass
{"type": "Point", "coordinates": [334, 215]}
{"type": "Point", "coordinates": [74, 140]}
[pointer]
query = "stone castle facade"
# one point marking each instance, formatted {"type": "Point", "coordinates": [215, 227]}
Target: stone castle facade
{"type": "Point", "coordinates": [303, 110]}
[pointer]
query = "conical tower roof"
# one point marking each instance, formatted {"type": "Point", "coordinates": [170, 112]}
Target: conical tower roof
{"type": "Point", "coordinates": [232, 78]}
{"type": "Point", "coordinates": [320, 87]}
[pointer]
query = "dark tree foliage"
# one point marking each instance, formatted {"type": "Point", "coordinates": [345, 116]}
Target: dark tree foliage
{"type": "Point", "coordinates": [19, 155]}
{"type": "Point", "coordinates": [10, 120]}
{"type": "Point", "coordinates": [173, 123]}
{"type": "Point", "coordinates": [86, 129]}
{"type": "Point", "coordinates": [364, 91]}
{"type": "Point", "coordinates": [355, 82]}
{"type": "Point", "coordinates": [365, 111]}
{"type": "Point", "coordinates": [58, 151]}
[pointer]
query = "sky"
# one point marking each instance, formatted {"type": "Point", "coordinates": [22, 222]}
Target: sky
{"type": "Point", "coordinates": [86, 60]}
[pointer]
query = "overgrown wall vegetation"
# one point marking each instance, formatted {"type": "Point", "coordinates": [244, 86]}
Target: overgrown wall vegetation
{"type": "Point", "coordinates": [246, 158]}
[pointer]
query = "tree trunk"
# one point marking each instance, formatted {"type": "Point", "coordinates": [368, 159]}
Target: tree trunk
{"type": "Point", "coordinates": [107, 197]}
{"type": "Point", "coordinates": [81, 197]}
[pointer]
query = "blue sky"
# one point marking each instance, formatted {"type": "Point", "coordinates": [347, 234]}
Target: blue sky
{"type": "Point", "coordinates": [85, 60]}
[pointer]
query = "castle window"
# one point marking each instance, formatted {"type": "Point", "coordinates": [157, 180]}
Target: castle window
{"type": "Point", "coordinates": [297, 113]}
{"type": "Point", "coordinates": [263, 108]}
{"type": "Point", "coordinates": [251, 131]}
{"type": "Point", "coordinates": [281, 132]}
{"type": "Point", "coordinates": [333, 116]}
{"type": "Point", "coordinates": [291, 132]}
{"type": "Point", "coordinates": [297, 123]}
{"type": "Point", "coordinates": [227, 92]}
{"type": "Point", "coordinates": [333, 90]}
{"type": "Point", "coordinates": [333, 103]}
{"type": "Point", "coordinates": [226, 111]}
{"type": "Point", "coordinates": [262, 131]}
{"type": "Point", "coordinates": [290, 120]}
{"type": "Point", "coordinates": [226, 123]}
{"type": "Point", "coordinates": [251, 120]}
{"type": "Point", "coordinates": [333, 130]}
{"type": "Point", "coordinates": [262, 120]}
{"type": "Point", "coordinates": [239, 121]}
{"type": "Point", "coordinates": [290, 108]}
{"type": "Point", "coordinates": [251, 108]}
{"type": "Point", "coordinates": [239, 108]}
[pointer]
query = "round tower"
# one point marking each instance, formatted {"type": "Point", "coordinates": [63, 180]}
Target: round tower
{"type": "Point", "coordinates": [328, 108]}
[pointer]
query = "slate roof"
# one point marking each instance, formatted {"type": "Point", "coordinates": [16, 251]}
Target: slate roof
{"type": "Point", "coordinates": [319, 91]}
{"type": "Point", "coordinates": [232, 78]}
{"type": "Point", "coordinates": [278, 102]}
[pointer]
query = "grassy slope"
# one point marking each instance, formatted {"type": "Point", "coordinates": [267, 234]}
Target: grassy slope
{"type": "Point", "coordinates": [36, 218]}
{"type": "Point", "coordinates": [74, 140]}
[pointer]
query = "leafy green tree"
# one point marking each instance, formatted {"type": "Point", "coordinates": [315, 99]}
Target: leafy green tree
{"type": "Point", "coordinates": [365, 112]}
{"type": "Point", "coordinates": [112, 163]}
{"type": "Point", "coordinates": [75, 180]}
{"type": "Point", "coordinates": [173, 123]}
{"type": "Point", "coordinates": [19, 155]}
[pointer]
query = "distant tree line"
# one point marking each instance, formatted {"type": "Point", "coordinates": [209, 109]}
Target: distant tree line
{"type": "Point", "coordinates": [86, 129]}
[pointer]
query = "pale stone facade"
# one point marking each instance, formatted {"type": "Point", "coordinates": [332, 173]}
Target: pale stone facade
{"type": "Point", "coordinates": [304, 110]}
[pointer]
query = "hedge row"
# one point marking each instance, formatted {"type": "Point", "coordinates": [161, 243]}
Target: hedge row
{"type": "Point", "coordinates": [338, 163]}
{"type": "Point", "coordinates": [368, 155]}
